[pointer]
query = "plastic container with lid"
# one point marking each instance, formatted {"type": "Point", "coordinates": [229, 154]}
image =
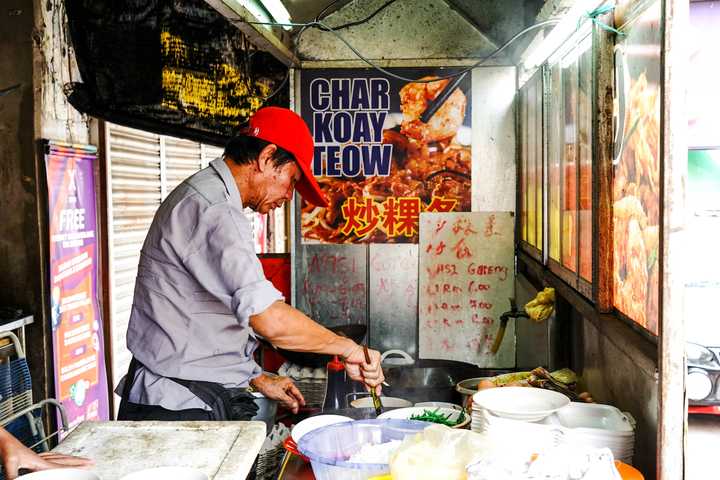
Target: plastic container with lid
{"type": "Point", "coordinates": [328, 448]}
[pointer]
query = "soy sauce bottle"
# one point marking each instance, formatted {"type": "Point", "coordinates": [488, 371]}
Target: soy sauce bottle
{"type": "Point", "coordinates": [336, 389]}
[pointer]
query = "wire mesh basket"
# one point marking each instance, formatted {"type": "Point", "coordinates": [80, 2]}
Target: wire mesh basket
{"type": "Point", "coordinates": [18, 414]}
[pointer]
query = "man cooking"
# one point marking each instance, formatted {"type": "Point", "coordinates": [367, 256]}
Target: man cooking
{"type": "Point", "coordinates": [201, 298]}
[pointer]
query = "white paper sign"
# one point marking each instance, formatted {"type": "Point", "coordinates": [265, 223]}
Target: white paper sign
{"type": "Point", "coordinates": [466, 280]}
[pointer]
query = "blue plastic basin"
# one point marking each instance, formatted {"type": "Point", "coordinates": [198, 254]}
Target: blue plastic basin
{"type": "Point", "coordinates": [328, 448]}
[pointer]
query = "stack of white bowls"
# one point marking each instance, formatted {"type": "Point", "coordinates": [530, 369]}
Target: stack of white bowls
{"type": "Point", "coordinates": [595, 425]}
{"type": "Point", "coordinates": [578, 424]}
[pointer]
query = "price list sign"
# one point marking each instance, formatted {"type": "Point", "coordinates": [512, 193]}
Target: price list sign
{"type": "Point", "coordinates": [466, 279]}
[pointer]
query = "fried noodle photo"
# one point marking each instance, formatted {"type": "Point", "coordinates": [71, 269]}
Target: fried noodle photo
{"type": "Point", "coordinates": [636, 195]}
{"type": "Point", "coordinates": [427, 164]}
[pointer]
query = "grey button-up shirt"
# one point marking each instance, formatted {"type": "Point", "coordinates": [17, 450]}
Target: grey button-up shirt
{"type": "Point", "coordinates": [198, 283]}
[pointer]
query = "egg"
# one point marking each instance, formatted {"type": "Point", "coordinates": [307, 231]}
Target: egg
{"type": "Point", "coordinates": [483, 384]}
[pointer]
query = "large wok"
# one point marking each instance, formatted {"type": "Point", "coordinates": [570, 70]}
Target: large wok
{"type": "Point", "coordinates": [356, 332]}
{"type": "Point", "coordinates": [432, 380]}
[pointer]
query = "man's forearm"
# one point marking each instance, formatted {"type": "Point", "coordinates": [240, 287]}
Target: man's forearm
{"type": "Point", "coordinates": [290, 329]}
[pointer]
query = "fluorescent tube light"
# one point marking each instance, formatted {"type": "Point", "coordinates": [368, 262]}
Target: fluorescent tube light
{"type": "Point", "coordinates": [562, 31]}
{"type": "Point", "coordinates": [264, 11]}
{"type": "Point", "coordinates": [278, 11]}
{"type": "Point", "coordinates": [256, 9]}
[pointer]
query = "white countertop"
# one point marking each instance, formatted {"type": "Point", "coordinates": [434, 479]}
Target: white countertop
{"type": "Point", "coordinates": [222, 450]}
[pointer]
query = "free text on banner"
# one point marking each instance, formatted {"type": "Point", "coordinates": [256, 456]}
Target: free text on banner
{"type": "Point", "coordinates": [466, 280]}
{"type": "Point", "coordinates": [78, 348]}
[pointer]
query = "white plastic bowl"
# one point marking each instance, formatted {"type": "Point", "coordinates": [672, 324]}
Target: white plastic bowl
{"type": "Point", "coordinates": [453, 406]}
{"type": "Point", "coordinates": [387, 402]}
{"type": "Point", "coordinates": [406, 413]}
{"type": "Point", "coordinates": [62, 474]}
{"type": "Point", "coordinates": [312, 423]}
{"type": "Point", "coordinates": [174, 473]}
{"type": "Point", "coordinates": [520, 403]}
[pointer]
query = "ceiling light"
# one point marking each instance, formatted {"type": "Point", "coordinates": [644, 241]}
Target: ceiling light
{"type": "Point", "coordinates": [562, 31]}
{"type": "Point", "coordinates": [570, 55]}
{"type": "Point", "coordinates": [278, 11]}
{"type": "Point", "coordinates": [265, 12]}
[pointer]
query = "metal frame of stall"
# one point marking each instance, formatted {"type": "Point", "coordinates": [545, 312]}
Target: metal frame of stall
{"type": "Point", "coordinates": [666, 352]}
{"type": "Point", "coordinates": [669, 344]}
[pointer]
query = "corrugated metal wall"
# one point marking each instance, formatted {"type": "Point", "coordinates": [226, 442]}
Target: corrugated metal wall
{"type": "Point", "coordinates": [134, 193]}
{"type": "Point", "coordinates": [142, 168]}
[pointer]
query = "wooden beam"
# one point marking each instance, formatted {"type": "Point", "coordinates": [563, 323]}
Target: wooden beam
{"type": "Point", "coordinates": [672, 414]}
{"type": "Point", "coordinates": [260, 36]}
{"type": "Point", "coordinates": [602, 99]}
{"type": "Point", "coordinates": [98, 137]}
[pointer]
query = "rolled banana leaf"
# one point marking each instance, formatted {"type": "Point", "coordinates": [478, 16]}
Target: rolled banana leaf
{"type": "Point", "coordinates": [513, 377]}
{"type": "Point", "coordinates": [541, 378]}
{"type": "Point", "coordinates": [565, 375]}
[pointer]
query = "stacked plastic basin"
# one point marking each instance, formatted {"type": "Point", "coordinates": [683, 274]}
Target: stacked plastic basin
{"type": "Point", "coordinates": [579, 424]}
{"type": "Point", "coordinates": [328, 448]}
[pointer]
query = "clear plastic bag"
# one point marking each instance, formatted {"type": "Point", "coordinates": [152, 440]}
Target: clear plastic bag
{"type": "Point", "coordinates": [439, 452]}
{"type": "Point", "coordinates": [559, 463]}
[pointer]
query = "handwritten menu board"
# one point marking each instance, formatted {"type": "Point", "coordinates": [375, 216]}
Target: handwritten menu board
{"type": "Point", "coordinates": [331, 283]}
{"type": "Point", "coordinates": [466, 279]}
{"type": "Point", "coordinates": [393, 293]}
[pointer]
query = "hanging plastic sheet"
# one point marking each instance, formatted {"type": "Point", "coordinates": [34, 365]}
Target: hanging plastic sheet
{"type": "Point", "coordinates": [171, 67]}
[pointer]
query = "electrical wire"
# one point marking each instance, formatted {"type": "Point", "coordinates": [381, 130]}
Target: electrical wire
{"type": "Point", "coordinates": [9, 90]}
{"type": "Point", "coordinates": [460, 72]}
{"type": "Point", "coordinates": [321, 15]}
{"type": "Point", "coordinates": [360, 22]}
{"type": "Point", "coordinates": [602, 10]}
{"type": "Point", "coordinates": [323, 27]}
{"type": "Point", "coordinates": [280, 87]}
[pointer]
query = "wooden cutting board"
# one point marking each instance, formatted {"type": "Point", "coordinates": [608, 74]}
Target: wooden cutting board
{"type": "Point", "coordinates": [222, 450]}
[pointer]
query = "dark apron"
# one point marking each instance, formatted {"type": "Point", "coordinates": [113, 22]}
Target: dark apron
{"type": "Point", "coordinates": [224, 403]}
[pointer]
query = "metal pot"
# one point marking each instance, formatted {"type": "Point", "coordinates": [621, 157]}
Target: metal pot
{"type": "Point", "coordinates": [267, 410]}
{"type": "Point", "coordinates": [367, 402]}
{"type": "Point", "coordinates": [355, 413]}
{"type": "Point", "coordinates": [468, 387]}
{"type": "Point", "coordinates": [389, 361]}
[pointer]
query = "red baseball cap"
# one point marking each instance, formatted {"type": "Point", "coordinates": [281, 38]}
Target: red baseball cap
{"type": "Point", "coordinates": [285, 128]}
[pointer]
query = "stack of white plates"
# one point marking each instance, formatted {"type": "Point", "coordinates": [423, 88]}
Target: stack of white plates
{"type": "Point", "coordinates": [512, 415]}
{"type": "Point", "coordinates": [528, 436]}
{"type": "Point", "coordinates": [579, 424]}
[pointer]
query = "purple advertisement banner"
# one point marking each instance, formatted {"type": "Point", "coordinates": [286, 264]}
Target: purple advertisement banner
{"type": "Point", "coordinates": [79, 357]}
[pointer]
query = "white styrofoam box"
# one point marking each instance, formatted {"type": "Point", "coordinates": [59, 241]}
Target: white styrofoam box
{"type": "Point", "coordinates": [596, 417]}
